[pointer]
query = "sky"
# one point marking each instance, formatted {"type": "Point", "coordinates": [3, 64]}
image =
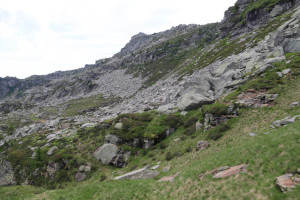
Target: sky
{"type": "Point", "coordinates": [39, 37]}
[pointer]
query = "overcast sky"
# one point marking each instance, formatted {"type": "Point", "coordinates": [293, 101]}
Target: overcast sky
{"type": "Point", "coordinates": [40, 37]}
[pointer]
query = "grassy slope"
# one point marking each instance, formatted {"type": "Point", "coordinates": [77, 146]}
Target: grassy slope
{"type": "Point", "coordinates": [268, 156]}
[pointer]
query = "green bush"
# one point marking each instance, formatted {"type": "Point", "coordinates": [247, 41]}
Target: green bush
{"type": "Point", "coordinates": [216, 109]}
{"type": "Point", "coordinates": [190, 121]}
{"type": "Point", "coordinates": [102, 178]}
{"type": "Point", "coordinates": [173, 120]}
{"type": "Point", "coordinates": [217, 132]}
{"type": "Point", "coordinates": [188, 149]}
{"type": "Point", "coordinates": [190, 130]}
{"type": "Point", "coordinates": [169, 156]}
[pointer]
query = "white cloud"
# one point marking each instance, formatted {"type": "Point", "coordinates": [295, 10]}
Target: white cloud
{"type": "Point", "coordinates": [39, 37]}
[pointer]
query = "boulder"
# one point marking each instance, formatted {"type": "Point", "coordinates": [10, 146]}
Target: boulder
{"type": "Point", "coordinates": [51, 150]}
{"type": "Point", "coordinates": [202, 145]}
{"type": "Point", "coordinates": [286, 71]}
{"type": "Point", "coordinates": [143, 173]}
{"type": "Point", "coordinates": [6, 173]}
{"type": "Point", "coordinates": [287, 182]}
{"type": "Point", "coordinates": [80, 176]}
{"type": "Point", "coordinates": [119, 125]}
{"type": "Point", "coordinates": [291, 45]}
{"type": "Point", "coordinates": [276, 11]}
{"type": "Point", "coordinates": [106, 153]}
{"type": "Point", "coordinates": [192, 100]}
{"type": "Point", "coordinates": [112, 139]}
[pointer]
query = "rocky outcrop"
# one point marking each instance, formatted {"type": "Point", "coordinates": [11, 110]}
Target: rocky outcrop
{"type": "Point", "coordinates": [141, 174]}
{"type": "Point", "coordinates": [7, 176]}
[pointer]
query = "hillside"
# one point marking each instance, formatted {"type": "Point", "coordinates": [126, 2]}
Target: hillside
{"type": "Point", "coordinates": [193, 112]}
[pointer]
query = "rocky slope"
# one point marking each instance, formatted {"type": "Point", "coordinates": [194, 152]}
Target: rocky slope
{"type": "Point", "coordinates": [96, 108]}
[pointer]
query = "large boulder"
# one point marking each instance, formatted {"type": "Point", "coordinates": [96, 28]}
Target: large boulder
{"type": "Point", "coordinates": [6, 173]}
{"type": "Point", "coordinates": [106, 153]}
{"type": "Point", "coordinates": [291, 45]}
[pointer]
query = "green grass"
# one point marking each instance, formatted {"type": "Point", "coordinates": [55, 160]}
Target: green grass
{"type": "Point", "coordinates": [83, 105]}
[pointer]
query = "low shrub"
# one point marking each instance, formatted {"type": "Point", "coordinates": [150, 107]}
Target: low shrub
{"type": "Point", "coordinates": [217, 132]}
{"type": "Point", "coordinates": [169, 156]}
{"type": "Point", "coordinates": [216, 109]}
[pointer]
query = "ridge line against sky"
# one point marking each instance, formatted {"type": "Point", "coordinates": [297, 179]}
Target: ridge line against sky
{"type": "Point", "coordinates": [41, 37]}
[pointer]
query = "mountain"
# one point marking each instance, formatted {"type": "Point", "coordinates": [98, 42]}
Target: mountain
{"type": "Point", "coordinates": [217, 86]}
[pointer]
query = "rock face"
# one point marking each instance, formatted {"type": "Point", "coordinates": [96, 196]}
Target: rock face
{"type": "Point", "coordinates": [6, 173]}
{"type": "Point", "coordinates": [139, 174]}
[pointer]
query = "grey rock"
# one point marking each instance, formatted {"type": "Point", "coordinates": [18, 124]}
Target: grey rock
{"type": "Point", "coordinates": [87, 169]}
{"type": "Point", "coordinates": [51, 150]}
{"type": "Point", "coordinates": [106, 153]}
{"type": "Point", "coordinates": [52, 168]}
{"type": "Point", "coordinates": [119, 126]}
{"type": "Point", "coordinates": [201, 145]}
{"type": "Point", "coordinates": [296, 104]}
{"type": "Point", "coordinates": [148, 143]}
{"type": "Point", "coordinates": [88, 125]}
{"type": "Point", "coordinates": [286, 71]}
{"type": "Point", "coordinates": [120, 159]}
{"type": "Point", "coordinates": [81, 168]}
{"type": "Point", "coordinates": [155, 167]}
{"type": "Point", "coordinates": [167, 168]}
{"type": "Point", "coordinates": [170, 131]}
{"type": "Point", "coordinates": [199, 126]}
{"type": "Point", "coordinates": [252, 134]}
{"type": "Point", "coordinates": [276, 11]}
{"type": "Point", "coordinates": [80, 176]}
{"type": "Point", "coordinates": [285, 121]}
{"type": "Point", "coordinates": [112, 139]}
{"type": "Point", "coordinates": [279, 74]}
{"type": "Point", "coordinates": [291, 45]}
{"type": "Point", "coordinates": [139, 174]}
{"type": "Point", "coordinates": [6, 173]}
{"type": "Point", "coordinates": [183, 113]}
